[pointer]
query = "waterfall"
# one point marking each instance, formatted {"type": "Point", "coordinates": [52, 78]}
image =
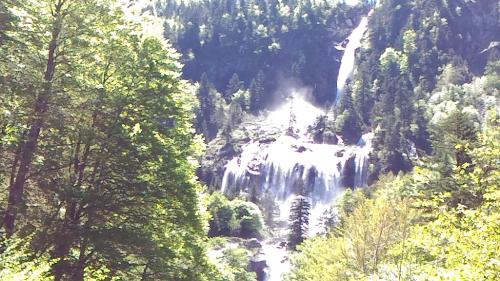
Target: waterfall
{"type": "Point", "coordinates": [362, 157]}
{"type": "Point", "coordinates": [292, 163]}
{"type": "Point", "coordinates": [347, 61]}
{"type": "Point", "coordinates": [288, 164]}
{"type": "Point", "coordinates": [237, 169]}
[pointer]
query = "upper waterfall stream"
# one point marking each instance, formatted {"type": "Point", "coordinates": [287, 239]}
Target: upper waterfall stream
{"type": "Point", "coordinates": [348, 59]}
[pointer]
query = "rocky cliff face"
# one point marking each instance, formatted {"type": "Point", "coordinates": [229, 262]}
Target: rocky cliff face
{"type": "Point", "coordinates": [223, 148]}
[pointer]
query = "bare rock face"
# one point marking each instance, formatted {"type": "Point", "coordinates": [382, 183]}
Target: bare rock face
{"type": "Point", "coordinates": [222, 149]}
{"type": "Point", "coordinates": [254, 167]}
{"type": "Point", "coordinates": [349, 23]}
{"type": "Point", "coordinates": [227, 151]}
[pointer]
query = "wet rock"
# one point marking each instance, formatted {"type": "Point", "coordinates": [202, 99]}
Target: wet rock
{"type": "Point", "coordinates": [245, 140]}
{"type": "Point", "coordinates": [301, 149]}
{"type": "Point", "coordinates": [253, 172]}
{"type": "Point", "coordinates": [258, 265]}
{"type": "Point", "coordinates": [253, 243]}
{"type": "Point", "coordinates": [340, 153]}
{"type": "Point", "coordinates": [349, 23]}
{"type": "Point", "coordinates": [253, 167]}
{"type": "Point", "coordinates": [267, 140]}
{"type": "Point", "coordinates": [312, 174]}
{"type": "Point", "coordinates": [330, 139]}
{"type": "Point", "coordinates": [226, 151]}
{"type": "Point", "coordinates": [349, 172]}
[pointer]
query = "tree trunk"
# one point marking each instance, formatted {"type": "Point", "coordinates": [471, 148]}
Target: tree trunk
{"type": "Point", "coordinates": [28, 147]}
{"type": "Point", "coordinates": [68, 237]}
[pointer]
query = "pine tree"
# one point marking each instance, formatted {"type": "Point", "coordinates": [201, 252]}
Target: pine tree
{"type": "Point", "coordinates": [242, 97]}
{"type": "Point", "coordinates": [299, 221]}
{"type": "Point", "coordinates": [452, 135]}
{"type": "Point", "coordinates": [233, 118]}
{"type": "Point", "coordinates": [233, 86]}
{"type": "Point", "coordinates": [348, 122]}
{"type": "Point", "coordinates": [257, 92]}
{"type": "Point", "coordinates": [206, 115]}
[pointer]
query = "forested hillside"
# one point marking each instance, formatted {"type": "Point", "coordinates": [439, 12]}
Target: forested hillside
{"type": "Point", "coordinates": [275, 39]}
{"type": "Point", "coordinates": [412, 50]}
{"type": "Point", "coordinates": [257, 47]}
{"type": "Point", "coordinates": [425, 61]}
{"type": "Point", "coordinates": [212, 140]}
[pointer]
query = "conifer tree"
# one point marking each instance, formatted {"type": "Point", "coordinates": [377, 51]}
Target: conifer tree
{"type": "Point", "coordinates": [299, 220]}
{"type": "Point", "coordinates": [452, 135]}
{"type": "Point", "coordinates": [233, 86]}
{"type": "Point", "coordinates": [257, 92]}
{"type": "Point", "coordinates": [348, 122]}
{"type": "Point", "coordinates": [207, 121]}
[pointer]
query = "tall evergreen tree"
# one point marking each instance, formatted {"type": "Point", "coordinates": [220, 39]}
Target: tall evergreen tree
{"type": "Point", "coordinates": [299, 220]}
{"type": "Point", "coordinates": [257, 92]}
{"type": "Point", "coordinates": [451, 136]}
{"type": "Point", "coordinates": [233, 117]}
{"type": "Point", "coordinates": [233, 86]}
{"type": "Point", "coordinates": [206, 115]}
{"type": "Point", "coordinates": [348, 122]}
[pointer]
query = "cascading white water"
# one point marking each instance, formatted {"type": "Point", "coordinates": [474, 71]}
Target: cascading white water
{"type": "Point", "coordinates": [295, 164]}
{"type": "Point", "coordinates": [347, 62]}
{"type": "Point", "coordinates": [283, 166]}
{"type": "Point", "coordinates": [362, 157]}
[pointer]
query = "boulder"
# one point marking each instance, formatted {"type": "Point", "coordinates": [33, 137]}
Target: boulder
{"type": "Point", "coordinates": [349, 172]}
{"type": "Point", "coordinates": [267, 140]}
{"type": "Point", "coordinates": [253, 243]}
{"type": "Point", "coordinates": [227, 151]}
{"type": "Point", "coordinates": [301, 149]}
{"type": "Point", "coordinates": [340, 153]}
{"type": "Point", "coordinates": [258, 265]}
{"type": "Point", "coordinates": [349, 23]}
{"type": "Point", "coordinates": [330, 139]}
{"type": "Point", "coordinates": [282, 245]}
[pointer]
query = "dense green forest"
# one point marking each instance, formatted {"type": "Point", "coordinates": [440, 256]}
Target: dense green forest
{"type": "Point", "coordinates": [119, 122]}
{"type": "Point", "coordinates": [97, 149]}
